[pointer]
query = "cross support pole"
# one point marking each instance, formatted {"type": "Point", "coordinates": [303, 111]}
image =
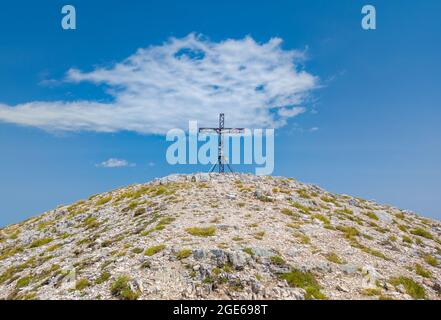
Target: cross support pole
{"type": "Point", "coordinates": [220, 131]}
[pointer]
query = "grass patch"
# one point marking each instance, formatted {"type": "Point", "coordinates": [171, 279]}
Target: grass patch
{"type": "Point", "coordinates": [81, 284]}
{"type": "Point", "coordinates": [23, 282]}
{"type": "Point", "coordinates": [91, 223]}
{"type": "Point", "coordinates": [349, 232]}
{"type": "Point", "coordinates": [302, 208]}
{"type": "Point", "coordinates": [202, 232]}
{"type": "Point", "coordinates": [322, 218]}
{"type": "Point", "coordinates": [431, 260]}
{"type": "Point", "coordinates": [304, 280]}
{"type": "Point", "coordinates": [422, 233]}
{"type": "Point", "coordinates": [278, 260]}
{"type": "Point", "coordinates": [372, 215]}
{"type": "Point", "coordinates": [333, 257]}
{"type": "Point", "coordinates": [40, 242]}
{"type": "Point", "coordinates": [184, 253]}
{"type": "Point", "coordinates": [249, 251]}
{"type": "Point", "coordinates": [407, 239]}
{"type": "Point", "coordinates": [139, 212]}
{"type": "Point", "coordinates": [104, 276]}
{"type": "Point", "coordinates": [153, 250]}
{"type": "Point", "coordinates": [121, 289]}
{"type": "Point", "coordinates": [303, 238]}
{"type": "Point", "coordinates": [412, 288]}
{"type": "Point", "coordinates": [103, 200]}
{"type": "Point", "coordinates": [370, 292]}
{"type": "Point", "coordinates": [421, 271]}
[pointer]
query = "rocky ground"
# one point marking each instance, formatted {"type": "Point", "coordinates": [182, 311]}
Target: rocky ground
{"type": "Point", "coordinates": [211, 236]}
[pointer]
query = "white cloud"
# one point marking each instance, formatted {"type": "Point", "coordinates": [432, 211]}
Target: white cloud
{"type": "Point", "coordinates": [162, 87]}
{"type": "Point", "coordinates": [115, 163]}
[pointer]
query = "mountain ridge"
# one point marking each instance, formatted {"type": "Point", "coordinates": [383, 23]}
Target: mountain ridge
{"type": "Point", "coordinates": [213, 236]}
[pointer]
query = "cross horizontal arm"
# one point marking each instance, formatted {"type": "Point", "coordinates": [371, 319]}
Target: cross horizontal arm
{"type": "Point", "coordinates": [233, 130]}
{"type": "Point", "coordinates": [207, 130]}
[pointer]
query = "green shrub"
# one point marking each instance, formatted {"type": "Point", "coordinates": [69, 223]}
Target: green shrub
{"type": "Point", "coordinates": [287, 211]}
{"type": "Point", "coordinates": [304, 280]}
{"type": "Point", "coordinates": [372, 215]}
{"type": "Point", "coordinates": [333, 257]}
{"type": "Point", "coordinates": [420, 270]}
{"type": "Point", "coordinates": [91, 222]}
{"type": "Point", "coordinates": [407, 239]}
{"type": "Point", "coordinates": [120, 289]}
{"type": "Point", "coordinates": [430, 260]}
{"type": "Point", "coordinates": [23, 282]}
{"type": "Point", "coordinates": [139, 211]}
{"type": "Point", "coordinates": [249, 251]}
{"type": "Point", "coordinates": [422, 233]}
{"type": "Point", "coordinates": [412, 288]}
{"type": "Point", "coordinates": [303, 194]}
{"type": "Point", "coordinates": [81, 284]}
{"type": "Point", "coordinates": [103, 200]}
{"type": "Point", "coordinates": [349, 232]}
{"type": "Point", "coordinates": [277, 260]}
{"type": "Point", "coordinates": [104, 276]}
{"type": "Point", "coordinates": [302, 208]}
{"type": "Point", "coordinates": [137, 250]}
{"type": "Point", "coordinates": [303, 238]}
{"type": "Point", "coordinates": [9, 252]}
{"type": "Point", "coordinates": [322, 218]}
{"type": "Point", "coordinates": [371, 292]}
{"type": "Point", "coordinates": [184, 253]}
{"type": "Point", "coordinates": [201, 232]}
{"type": "Point", "coordinates": [40, 242]}
{"type": "Point", "coordinates": [153, 250]}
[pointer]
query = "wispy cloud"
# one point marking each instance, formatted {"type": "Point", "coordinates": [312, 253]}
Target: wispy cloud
{"type": "Point", "coordinates": [192, 78]}
{"type": "Point", "coordinates": [115, 163]}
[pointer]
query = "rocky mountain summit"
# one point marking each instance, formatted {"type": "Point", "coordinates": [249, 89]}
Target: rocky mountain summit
{"type": "Point", "coordinates": [212, 236]}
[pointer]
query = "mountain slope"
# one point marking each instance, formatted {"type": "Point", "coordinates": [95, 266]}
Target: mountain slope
{"type": "Point", "coordinates": [210, 236]}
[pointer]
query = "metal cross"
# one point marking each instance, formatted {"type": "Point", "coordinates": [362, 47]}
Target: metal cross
{"type": "Point", "coordinates": [220, 151]}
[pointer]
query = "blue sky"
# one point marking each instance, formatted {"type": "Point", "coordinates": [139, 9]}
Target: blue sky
{"type": "Point", "coordinates": [374, 103]}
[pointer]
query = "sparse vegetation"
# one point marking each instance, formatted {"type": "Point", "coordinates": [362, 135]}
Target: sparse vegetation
{"type": "Point", "coordinates": [202, 232]}
{"type": "Point", "coordinates": [278, 260]}
{"type": "Point", "coordinates": [103, 200]}
{"type": "Point", "coordinates": [153, 250]}
{"type": "Point", "coordinates": [322, 218]}
{"type": "Point", "coordinates": [104, 276]}
{"type": "Point", "coordinates": [259, 235]}
{"type": "Point", "coordinates": [139, 211]}
{"type": "Point", "coordinates": [40, 242]}
{"type": "Point", "coordinates": [420, 270]}
{"type": "Point", "coordinates": [81, 284]}
{"type": "Point", "coordinates": [333, 257]}
{"type": "Point", "coordinates": [372, 215]}
{"type": "Point", "coordinates": [183, 253]}
{"type": "Point", "coordinates": [23, 282]}
{"type": "Point", "coordinates": [413, 289]}
{"type": "Point", "coordinates": [120, 288]}
{"type": "Point", "coordinates": [137, 250]}
{"type": "Point", "coordinates": [303, 238]}
{"type": "Point", "coordinates": [304, 280]}
{"type": "Point", "coordinates": [431, 260]}
{"type": "Point", "coordinates": [370, 292]}
{"type": "Point", "coordinates": [249, 251]}
{"type": "Point", "coordinates": [422, 233]}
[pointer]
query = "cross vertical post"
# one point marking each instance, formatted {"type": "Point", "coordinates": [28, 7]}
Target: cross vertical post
{"type": "Point", "coordinates": [220, 131]}
{"type": "Point", "coordinates": [220, 152]}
